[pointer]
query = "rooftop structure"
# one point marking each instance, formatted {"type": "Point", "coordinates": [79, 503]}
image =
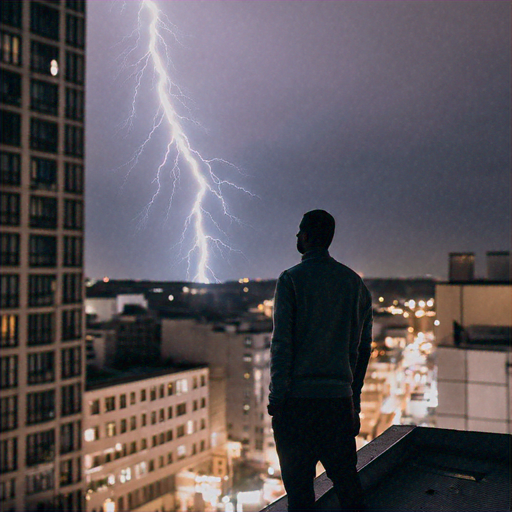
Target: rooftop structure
{"type": "Point", "coordinates": [411, 469]}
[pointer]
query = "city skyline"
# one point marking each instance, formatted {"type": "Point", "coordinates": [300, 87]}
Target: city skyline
{"type": "Point", "coordinates": [395, 117]}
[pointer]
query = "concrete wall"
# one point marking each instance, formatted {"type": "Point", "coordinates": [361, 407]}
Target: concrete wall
{"type": "Point", "coordinates": [474, 388]}
{"type": "Point", "coordinates": [471, 304]}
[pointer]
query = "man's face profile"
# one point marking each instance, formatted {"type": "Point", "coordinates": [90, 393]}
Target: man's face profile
{"type": "Point", "coordinates": [300, 239]}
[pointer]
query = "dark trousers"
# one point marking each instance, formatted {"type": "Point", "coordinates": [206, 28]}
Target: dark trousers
{"type": "Point", "coordinates": [308, 430]}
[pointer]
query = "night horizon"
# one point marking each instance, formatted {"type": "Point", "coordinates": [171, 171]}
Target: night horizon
{"type": "Point", "coordinates": [394, 117]}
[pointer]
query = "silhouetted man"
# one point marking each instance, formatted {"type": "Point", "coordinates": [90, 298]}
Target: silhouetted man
{"type": "Point", "coordinates": [320, 349]}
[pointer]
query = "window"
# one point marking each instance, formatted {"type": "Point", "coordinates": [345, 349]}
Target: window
{"type": "Point", "coordinates": [169, 412]}
{"type": "Point", "coordinates": [44, 20]}
{"type": "Point", "coordinates": [8, 413]}
{"type": "Point", "coordinates": [41, 289]}
{"type": "Point", "coordinates": [9, 291]}
{"type": "Point", "coordinates": [182, 451]}
{"type": "Point", "coordinates": [154, 441]}
{"type": "Point", "coordinates": [194, 383]}
{"type": "Point", "coordinates": [42, 251]}
{"type": "Point", "coordinates": [70, 437]}
{"type": "Point", "coordinates": [43, 212]}
{"type": "Point", "coordinates": [74, 140]}
{"type": "Point", "coordinates": [132, 398]}
{"type": "Point", "coordinates": [43, 174]}
{"type": "Point", "coordinates": [74, 104]}
{"type": "Point", "coordinates": [71, 288]}
{"type": "Point", "coordinates": [71, 324]}
{"type": "Point", "coordinates": [10, 88]}
{"type": "Point", "coordinates": [153, 418]}
{"type": "Point", "coordinates": [110, 403]}
{"type": "Point", "coordinates": [92, 434]}
{"type": "Point", "coordinates": [122, 401]}
{"type": "Point", "coordinates": [170, 389]}
{"type": "Point", "coordinates": [143, 420]}
{"type": "Point", "coordinates": [40, 447]}
{"type": "Point", "coordinates": [161, 415]}
{"type": "Point", "coordinates": [8, 455]}
{"type": "Point", "coordinates": [44, 97]}
{"type": "Point", "coordinates": [44, 58]}
{"type": "Point", "coordinates": [8, 488]}
{"type": "Point", "coordinates": [9, 331]}
{"type": "Point", "coordinates": [180, 431]}
{"type": "Point", "coordinates": [8, 372]}
{"type": "Point", "coordinates": [11, 13]}
{"type": "Point", "coordinates": [71, 399]}
{"type": "Point", "coordinates": [133, 422]}
{"type": "Point", "coordinates": [95, 407]}
{"type": "Point", "coordinates": [168, 436]}
{"type": "Point", "coordinates": [203, 403]}
{"type": "Point", "coordinates": [40, 329]}
{"type": "Point", "coordinates": [75, 68]}
{"type": "Point", "coordinates": [71, 362]}
{"type": "Point", "coordinates": [181, 386]}
{"type": "Point", "coordinates": [40, 367]}
{"type": "Point", "coordinates": [74, 178]}
{"type": "Point", "coordinates": [203, 424]}
{"type": "Point", "coordinates": [39, 482]}
{"type": "Point", "coordinates": [152, 393]}
{"type": "Point", "coordinates": [133, 447]}
{"type": "Point", "coordinates": [10, 124]}
{"type": "Point", "coordinates": [9, 209]}
{"type": "Point", "coordinates": [73, 214]}
{"type": "Point", "coordinates": [110, 429]}
{"type": "Point", "coordinates": [73, 250]}
{"type": "Point", "coordinates": [143, 444]}
{"type": "Point", "coordinates": [142, 395]}
{"type": "Point", "coordinates": [9, 249]}
{"type": "Point", "coordinates": [181, 409]}
{"type": "Point", "coordinates": [66, 473]}
{"type": "Point", "coordinates": [40, 407]}
{"type": "Point", "coordinates": [44, 135]}
{"type": "Point", "coordinates": [75, 31]}
{"type": "Point", "coordinates": [10, 168]}
{"type": "Point", "coordinates": [76, 5]}
{"type": "Point", "coordinates": [10, 49]}
{"type": "Point", "coordinates": [203, 380]}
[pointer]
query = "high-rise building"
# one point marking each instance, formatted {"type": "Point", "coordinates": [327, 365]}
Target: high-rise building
{"type": "Point", "coordinates": [42, 65]}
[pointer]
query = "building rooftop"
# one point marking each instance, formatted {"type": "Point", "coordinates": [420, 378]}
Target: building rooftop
{"type": "Point", "coordinates": [106, 377]}
{"type": "Point", "coordinates": [411, 468]}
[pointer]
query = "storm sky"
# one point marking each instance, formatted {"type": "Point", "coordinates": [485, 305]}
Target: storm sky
{"type": "Point", "coordinates": [392, 115]}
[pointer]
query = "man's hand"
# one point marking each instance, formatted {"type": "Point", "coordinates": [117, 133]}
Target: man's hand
{"type": "Point", "coordinates": [356, 424]}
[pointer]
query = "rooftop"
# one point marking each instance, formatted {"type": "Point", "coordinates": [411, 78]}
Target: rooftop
{"type": "Point", "coordinates": [106, 377]}
{"type": "Point", "coordinates": [411, 468]}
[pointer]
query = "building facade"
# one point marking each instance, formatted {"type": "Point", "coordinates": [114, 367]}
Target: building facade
{"type": "Point", "coordinates": [42, 65]}
{"type": "Point", "coordinates": [140, 431]}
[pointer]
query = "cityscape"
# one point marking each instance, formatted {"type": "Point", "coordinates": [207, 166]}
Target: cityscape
{"type": "Point", "coordinates": [122, 392]}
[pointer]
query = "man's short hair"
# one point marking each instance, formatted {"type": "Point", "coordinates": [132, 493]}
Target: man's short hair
{"type": "Point", "coordinates": [319, 225]}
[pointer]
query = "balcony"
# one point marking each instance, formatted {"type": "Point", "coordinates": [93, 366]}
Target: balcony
{"type": "Point", "coordinates": [411, 468]}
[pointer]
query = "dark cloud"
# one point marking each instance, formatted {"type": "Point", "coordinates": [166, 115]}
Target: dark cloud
{"type": "Point", "coordinates": [395, 116]}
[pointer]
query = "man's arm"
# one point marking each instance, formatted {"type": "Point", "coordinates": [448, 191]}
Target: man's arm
{"type": "Point", "coordinates": [281, 353]}
{"type": "Point", "coordinates": [363, 356]}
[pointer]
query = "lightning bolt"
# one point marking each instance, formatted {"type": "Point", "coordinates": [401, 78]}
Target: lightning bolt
{"type": "Point", "coordinates": [178, 154]}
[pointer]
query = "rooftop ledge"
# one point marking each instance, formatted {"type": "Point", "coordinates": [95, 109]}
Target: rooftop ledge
{"type": "Point", "coordinates": [410, 468]}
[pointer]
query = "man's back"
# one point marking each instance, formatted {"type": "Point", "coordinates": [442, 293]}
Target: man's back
{"type": "Point", "coordinates": [321, 306]}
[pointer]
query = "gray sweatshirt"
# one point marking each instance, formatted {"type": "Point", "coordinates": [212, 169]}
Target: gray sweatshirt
{"type": "Point", "coordinates": [321, 342]}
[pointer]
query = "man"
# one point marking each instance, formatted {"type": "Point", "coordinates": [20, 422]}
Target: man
{"type": "Point", "coordinates": [320, 350]}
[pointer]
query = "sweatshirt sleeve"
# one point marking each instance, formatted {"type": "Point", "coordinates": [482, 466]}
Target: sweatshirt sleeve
{"type": "Point", "coordinates": [281, 352]}
{"type": "Point", "coordinates": [363, 356]}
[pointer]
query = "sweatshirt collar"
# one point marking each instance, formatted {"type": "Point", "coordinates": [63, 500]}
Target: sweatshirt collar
{"type": "Point", "coordinates": [315, 253]}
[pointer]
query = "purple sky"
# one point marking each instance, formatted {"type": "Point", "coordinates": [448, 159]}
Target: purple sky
{"type": "Point", "coordinates": [393, 116]}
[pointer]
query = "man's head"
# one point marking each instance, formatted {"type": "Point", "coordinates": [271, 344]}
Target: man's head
{"type": "Point", "coordinates": [316, 231]}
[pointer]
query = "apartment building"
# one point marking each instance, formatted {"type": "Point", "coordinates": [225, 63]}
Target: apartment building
{"type": "Point", "coordinates": [141, 429]}
{"type": "Point", "coordinates": [42, 66]}
{"type": "Point", "coordinates": [474, 353]}
{"type": "Point", "coordinates": [242, 351]}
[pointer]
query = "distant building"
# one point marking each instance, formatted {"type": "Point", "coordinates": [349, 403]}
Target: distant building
{"type": "Point", "coordinates": [143, 428]}
{"type": "Point", "coordinates": [474, 354]}
{"type": "Point", "coordinates": [42, 66]}
{"type": "Point", "coordinates": [243, 352]}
